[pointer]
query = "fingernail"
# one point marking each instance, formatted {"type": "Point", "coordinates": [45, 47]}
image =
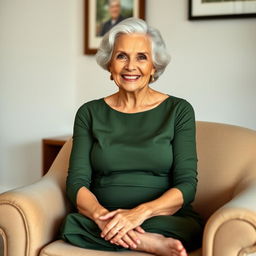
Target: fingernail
{"type": "Point", "coordinates": [138, 241]}
{"type": "Point", "coordinates": [134, 246]}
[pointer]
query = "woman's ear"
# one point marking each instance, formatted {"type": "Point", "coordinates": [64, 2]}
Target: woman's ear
{"type": "Point", "coordinates": [153, 71]}
{"type": "Point", "coordinates": [109, 68]}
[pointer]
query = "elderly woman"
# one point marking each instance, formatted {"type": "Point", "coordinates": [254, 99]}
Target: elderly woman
{"type": "Point", "coordinates": [132, 174]}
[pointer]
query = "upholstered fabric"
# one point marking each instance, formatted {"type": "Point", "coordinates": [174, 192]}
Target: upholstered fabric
{"type": "Point", "coordinates": [30, 216]}
{"type": "Point", "coordinates": [227, 164]}
{"type": "Point", "coordinates": [60, 248]}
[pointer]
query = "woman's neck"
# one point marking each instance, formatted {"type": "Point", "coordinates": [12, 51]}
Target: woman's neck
{"type": "Point", "coordinates": [132, 102]}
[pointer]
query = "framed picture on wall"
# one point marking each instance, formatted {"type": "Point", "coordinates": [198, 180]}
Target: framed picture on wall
{"type": "Point", "coordinates": [215, 9]}
{"type": "Point", "coordinates": [102, 15]}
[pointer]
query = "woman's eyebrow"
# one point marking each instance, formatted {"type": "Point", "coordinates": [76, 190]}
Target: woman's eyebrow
{"type": "Point", "coordinates": [121, 52]}
{"type": "Point", "coordinates": [127, 54]}
{"type": "Point", "coordinates": [146, 53]}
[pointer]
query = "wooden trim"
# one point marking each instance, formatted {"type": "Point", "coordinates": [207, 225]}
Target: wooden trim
{"type": "Point", "coordinates": [50, 149]}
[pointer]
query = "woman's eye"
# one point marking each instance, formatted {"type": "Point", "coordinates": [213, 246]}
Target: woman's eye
{"type": "Point", "coordinates": [121, 56]}
{"type": "Point", "coordinates": [142, 57]}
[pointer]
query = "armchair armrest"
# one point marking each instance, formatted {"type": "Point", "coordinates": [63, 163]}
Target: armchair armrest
{"type": "Point", "coordinates": [231, 229]}
{"type": "Point", "coordinates": [31, 216]}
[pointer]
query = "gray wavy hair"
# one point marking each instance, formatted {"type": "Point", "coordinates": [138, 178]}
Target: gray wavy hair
{"type": "Point", "coordinates": [160, 56]}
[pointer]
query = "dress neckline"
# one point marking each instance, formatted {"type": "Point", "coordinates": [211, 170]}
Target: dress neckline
{"type": "Point", "coordinates": [136, 113]}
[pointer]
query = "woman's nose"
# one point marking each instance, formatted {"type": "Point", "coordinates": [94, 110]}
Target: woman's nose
{"type": "Point", "coordinates": [131, 65]}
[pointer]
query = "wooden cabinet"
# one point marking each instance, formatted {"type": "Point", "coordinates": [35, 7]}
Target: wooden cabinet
{"type": "Point", "coordinates": [50, 149]}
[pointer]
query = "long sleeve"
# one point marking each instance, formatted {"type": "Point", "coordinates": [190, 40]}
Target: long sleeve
{"type": "Point", "coordinates": [184, 153]}
{"type": "Point", "coordinates": [79, 172]}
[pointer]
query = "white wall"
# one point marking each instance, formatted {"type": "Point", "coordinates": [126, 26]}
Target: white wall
{"type": "Point", "coordinates": [37, 82]}
{"type": "Point", "coordinates": [44, 75]}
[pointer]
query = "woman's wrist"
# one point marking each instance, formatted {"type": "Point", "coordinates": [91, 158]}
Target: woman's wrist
{"type": "Point", "coordinates": [144, 210]}
{"type": "Point", "coordinates": [99, 212]}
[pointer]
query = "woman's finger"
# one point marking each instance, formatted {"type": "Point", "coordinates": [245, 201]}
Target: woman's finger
{"type": "Point", "coordinates": [128, 241]}
{"type": "Point", "coordinates": [132, 235]}
{"type": "Point", "coordinates": [121, 232]}
{"type": "Point", "coordinates": [110, 229]}
{"type": "Point", "coordinates": [121, 243]}
{"type": "Point", "coordinates": [114, 233]}
{"type": "Point", "coordinates": [140, 230]}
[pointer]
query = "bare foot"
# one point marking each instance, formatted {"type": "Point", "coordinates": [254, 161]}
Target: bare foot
{"type": "Point", "coordinates": [160, 245]}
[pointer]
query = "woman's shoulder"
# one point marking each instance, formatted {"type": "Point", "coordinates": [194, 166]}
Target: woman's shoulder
{"type": "Point", "coordinates": [90, 105]}
{"type": "Point", "coordinates": [180, 102]}
{"type": "Point", "coordinates": [183, 110]}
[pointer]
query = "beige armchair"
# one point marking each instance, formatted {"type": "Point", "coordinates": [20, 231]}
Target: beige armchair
{"type": "Point", "coordinates": [30, 216]}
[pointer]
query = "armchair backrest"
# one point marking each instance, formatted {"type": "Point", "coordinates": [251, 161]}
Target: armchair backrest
{"type": "Point", "coordinates": [59, 168]}
{"type": "Point", "coordinates": [226, 164]}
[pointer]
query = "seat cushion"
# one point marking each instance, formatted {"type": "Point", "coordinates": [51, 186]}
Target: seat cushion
{"type": "Point", "coordinates": [60, 248]}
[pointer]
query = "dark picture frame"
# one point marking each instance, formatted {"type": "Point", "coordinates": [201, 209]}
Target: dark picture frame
{"type": "Point", "coordinates": [92, 24]}
{"type": "Point", "coordinates": [221, 9]}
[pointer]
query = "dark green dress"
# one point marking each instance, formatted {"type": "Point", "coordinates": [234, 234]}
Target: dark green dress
{"type": "Point", "coordinates": [128, 159]}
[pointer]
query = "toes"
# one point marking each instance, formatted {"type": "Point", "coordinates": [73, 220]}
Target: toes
{"type": "Point", "coordinates": [178, 253]}
{"type": "Point", "coordinates": [178, 245]}
{"type": "Point", "coordinates": [174, 253]}
{"type": "Point", "coordinates": [183, 252]}
{"type": "Point", "coordinates": [178, 248]}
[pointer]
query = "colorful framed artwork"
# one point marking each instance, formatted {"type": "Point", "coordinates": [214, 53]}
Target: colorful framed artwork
{"type": "Point", "coordinates": [216, 9]}
{"type": "Point", "coordinates": [102, 15]}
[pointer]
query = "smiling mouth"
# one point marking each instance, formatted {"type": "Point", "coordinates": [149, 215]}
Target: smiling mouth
{"type": "Point", "coordinates": [130, 78]}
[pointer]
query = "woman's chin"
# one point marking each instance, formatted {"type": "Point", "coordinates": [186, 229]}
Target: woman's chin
{"type": "Point", "coordinates": [131, 87]}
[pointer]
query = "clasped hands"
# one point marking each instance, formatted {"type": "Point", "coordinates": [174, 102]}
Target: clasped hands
{"type": "Point", "coordinates": [120, 226]}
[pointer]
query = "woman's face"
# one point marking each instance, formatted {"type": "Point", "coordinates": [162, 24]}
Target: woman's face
{"type": "Point", "coordinates": [131, 64]}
